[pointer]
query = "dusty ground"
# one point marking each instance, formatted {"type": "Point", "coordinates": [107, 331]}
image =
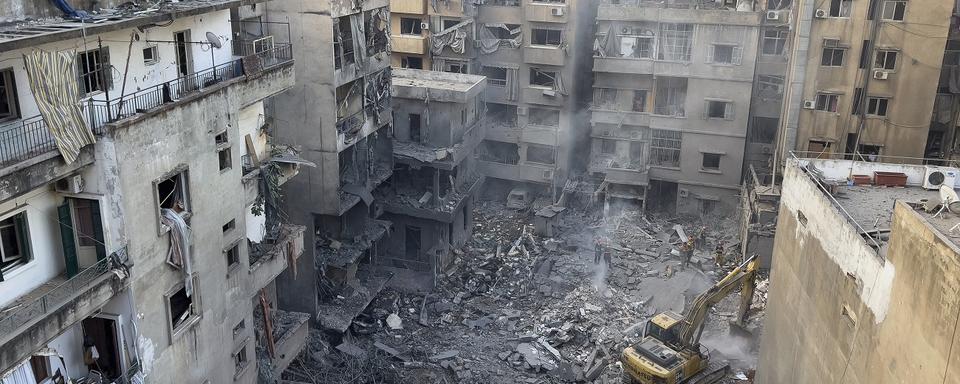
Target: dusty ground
{"type": "Point", "coordinates": [532, 310]}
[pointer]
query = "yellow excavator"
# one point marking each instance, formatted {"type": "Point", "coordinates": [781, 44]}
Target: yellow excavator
{"type": "Point", "coordinates": [670, 351]}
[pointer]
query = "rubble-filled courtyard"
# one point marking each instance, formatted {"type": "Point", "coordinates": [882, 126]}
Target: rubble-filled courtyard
{"type": "Point", "coordinates": [516, 307]}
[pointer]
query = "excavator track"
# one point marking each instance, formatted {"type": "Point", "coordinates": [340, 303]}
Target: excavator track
{"type": "Point", "coordinates": [713, 373]}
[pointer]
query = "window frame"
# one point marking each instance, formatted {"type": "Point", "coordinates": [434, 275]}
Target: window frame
{"type": "Point", "coordinates": [416, 30]}
{"type": "Point", "coordinates": [552, 149]}
{"type": "Point", "coordinates": [547, 32]}
{"type": "Point", "coordinates": [552, 75]}
{"type": "Point", "coordinates": [240, 352]}
{"type": "Point", "coordinates": [13, 100]}
{"type": "Point", "coordinates": [155, 52]}
{"type": "Point", "coordinates": [886, 53]}
{"type": "Point", "coordinates": [183, 173]}
{"type": "Point", "coordinates": [827, 98]}
{"type": "Point", "coordinates": [834, 46]}
{"type": "Point", "coordinates": [664, 146]}
{"type": "Point", "coordinates": [608, 146]}
{"type": "Point", "coordinates": [734, 54]}
{"type": "Point", "coordinates": [728, 109]}
{"type": "Point", "coordinates": [195, 309]}
{"type": "Point", "coordinates": [840, 8]}
{"type": "Point", "coordinates": [779, 41]}
{"type": "Point", "coordinates": [495, 81]}
{"type": "Point", "coordinates": [405, 62]}
{"type": "Point", "coordinates": [712, 155]}
{"type": "Point", "coordinates": [21, 231]}
{"type": "Point", "coordinates": [544, 111]}
{"type": "Point", "coordinates": [874, 104]}
{"type": "Point", "coordinates": [101, 70]}
{"type": "Point", "coordinates": [883, 10]}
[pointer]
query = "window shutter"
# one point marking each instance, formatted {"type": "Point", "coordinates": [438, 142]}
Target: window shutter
{"type": "Point", "coordinates": [737, 55]}
{"type": "Point", "coordinates": [728, 111]}
{"type": "Point", "coordinates": [67, 238]}
{"type": "Point", "coordinates": [98, 230]}
{"type": "Point", "coordinates": [709, 53]}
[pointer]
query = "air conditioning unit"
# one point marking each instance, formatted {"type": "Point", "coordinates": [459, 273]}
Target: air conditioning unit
{"type": "Point", "coordinates": [935, 176]}
{"type": "Point", "coordinates": [820, 13]}
{"type": "Point", "coordinates": [556, 11]}
{"type": "Point", "coordinates": [880, 75]}
{"type": "Point", "coordinates": [809, 104]}
{"type": "Point", "coordinates": [424, 25]}
{"type": "Point", "coordinates": [70, 185]}
{"type": "Point", "coordinates": [683, 192]}
{"type": "Point", "coordinates": [773, 15]}
{"type": "Point", "coordinates": [550, 93]}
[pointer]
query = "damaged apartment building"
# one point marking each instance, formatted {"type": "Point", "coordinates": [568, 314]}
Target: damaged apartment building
{"type": "Point", "coordinates": [339, 113]}
{"type": "Point", "coordinates": [438, 125]}
{"type": "Point", "coordinates": [140, 235]}
{"type": "Point", "coordinates": [671, 99]}
{"type": "Point", "coordinates": [531, 52]}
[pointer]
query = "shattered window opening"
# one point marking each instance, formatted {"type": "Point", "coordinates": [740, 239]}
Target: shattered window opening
{"type": "Point", "coordinates": [671, 96]}
{"type": "Point", "coordinates": [542, 154]}
{"type": "Point", "coordinates": [502, 113]}
{"type": "Point", "coordinates": [496, 76]}
{"type": "Point", "coordinates": [172, 193]}
{"type": "Point", "coordinates": [640, 100]}
{"type": "Point", "coordinates": [605, 98]}
{"type": "Point", "coordinates": [774, 41]}
{"type": "Point", "coordinates": [14, 242]}
{"type": "Point", "coordinates": [499, 152]}
{"type": "Point", "coordinates": [409, 26]}
{"type": "Point", "coordinates": [343, 42]}
{"type": "Point", "coordinates": [544, 116]}
{"type": "Point", "coordinates": [9, 105]}
{"type": "Point", "coordinates": [547, 37]}
{"type": "Point", "coordinates": [411, 62]}
{"type": "Point", "coordinates": [543, 78]}
{"type": "Point", "coordinates": [764, 130]}
{"type": "Point", "coordinates": [377, 30]}
{"type": "Point", "coordinates": [181, 308]}
{"type": "Point", "coordinates": [665, 148]}
{"type": "Point", "coordinates": [232, 256]}
{"type": "Point", "coordinates": [94, 70]}
{"type": "Point", "coordinates": [240, 359]}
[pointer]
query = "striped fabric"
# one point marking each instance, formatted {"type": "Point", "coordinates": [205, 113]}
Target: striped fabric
{"type": "Point", "coordinates": [53, 80]}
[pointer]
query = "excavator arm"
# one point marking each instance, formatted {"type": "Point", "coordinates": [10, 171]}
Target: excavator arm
{"type": "Point", "coordinates": [693, 319]}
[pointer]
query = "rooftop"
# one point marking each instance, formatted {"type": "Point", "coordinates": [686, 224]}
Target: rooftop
{"type": "Point", "coordinates": [436, 86]}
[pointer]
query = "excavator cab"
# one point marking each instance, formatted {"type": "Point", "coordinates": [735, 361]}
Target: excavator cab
{"type": "Point", "coordinates": [663, 327]}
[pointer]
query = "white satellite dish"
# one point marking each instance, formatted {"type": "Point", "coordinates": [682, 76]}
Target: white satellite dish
{"type": "Point", "coordinates": [214, 40]}
{"type": "Point", "coordinates": [950, 199]}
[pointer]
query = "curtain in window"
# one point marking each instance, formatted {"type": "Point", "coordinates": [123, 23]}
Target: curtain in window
{"type": "Point", "coordinates": [53, 80]}
{"type": "Point", "coordinates": [455, 37]}
{"type": "Point", "coordinates": [513, 86]}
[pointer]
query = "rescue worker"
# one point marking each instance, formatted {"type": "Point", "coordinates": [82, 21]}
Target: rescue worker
{"type": "Point", "coordinates": [718, 254]}
{"type": "Point", "coordinates": [686, 252]}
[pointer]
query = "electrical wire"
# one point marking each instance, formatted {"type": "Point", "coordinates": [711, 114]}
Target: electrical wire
{"type": "Point", "coordinates": [902, 28]}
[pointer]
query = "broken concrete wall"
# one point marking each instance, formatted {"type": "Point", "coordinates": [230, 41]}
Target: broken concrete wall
{"type": "Point", "coordinates": [839, 313]}
{"type": "Point", "coordinates": [416, 253]}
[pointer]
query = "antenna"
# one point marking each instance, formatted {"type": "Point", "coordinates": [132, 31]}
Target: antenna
{"type": "Point", "coordinates": [214, 40]}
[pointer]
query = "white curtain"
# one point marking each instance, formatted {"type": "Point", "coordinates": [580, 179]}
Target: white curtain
{"type": "Point", "coordinates": [23, 374]}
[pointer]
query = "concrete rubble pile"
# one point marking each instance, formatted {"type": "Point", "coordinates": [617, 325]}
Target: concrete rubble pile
{"type": "Point", "coordinates": [518, 308]}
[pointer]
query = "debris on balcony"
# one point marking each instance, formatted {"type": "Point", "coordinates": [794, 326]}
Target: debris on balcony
{"type": "Point", "coordinates": [377, 31]}
{"type": "Point", "coordinates": [490, 42]}
{"type": "Point", "coordinates": [339, 305]}
{"type": "Point", "coordinates": [454, 37]}
{"type": "Point", "coordinates": [341, 253]}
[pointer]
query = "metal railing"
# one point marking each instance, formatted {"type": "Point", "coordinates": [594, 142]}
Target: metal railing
{"type": "Point", "coordinates": [20, 314]}
{"type": "Point", "coordinates": [24, 139]}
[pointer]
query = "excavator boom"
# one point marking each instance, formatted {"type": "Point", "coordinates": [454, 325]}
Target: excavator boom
{"type": "Point", "coordinates": [742, 276]}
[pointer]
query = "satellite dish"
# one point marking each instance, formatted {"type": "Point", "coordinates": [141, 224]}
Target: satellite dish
{"type": "Point", "coordinates": [214, 40]}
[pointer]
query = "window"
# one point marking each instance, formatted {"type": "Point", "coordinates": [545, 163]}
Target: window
{"type": "Point", "coordinates": [414, 126]}
{"type": "Point", "coordinates": [454, 66]}
{"type": "Point", "coordinates": [449, 23]}
{"type": "Point", "coordinates": [676, 41]}
{"type": "Point", "coordinates": [14, 242]}
{"type": "Point", "coordinates": [225, 159]}
{"type": "Point", "coordinates": [770, 86]}
{"type": "Point", "coordinates": [411, 62]}
{"type": "Point", "coordinates": [707, 206]}
{"type": "Point", "coordinates": [221, 138]}
{"type": "Point", "coordinates": [857, 101]}
{"type": "Point", "coordinates": [172, 193]}
{"type": "Point", "coordinates": [827, 102]}
{"type": "Point", "coordinates": [412, 239]}
{"type": "Point", "coordinates": [636, 151]}
{"type": "Point", "coordinates": [885, 60]}
{"type": "Point", "coordinates": [507, 32]}
{"type": "Point", "coordinates": [182, 311]}
{"type": "Point", "coordinates": [724, 54]}
{"type": "Point", "coordinates": [410, 26]}
{"type": "Point", "coordinates": [764, 130]}
{"type": "Point", "coordinates": [893, 10]}
{"type": "Point", "coordinates": [150, 55]}
{"type": "Point", "coordinates": [238, 329]}
{"type": "Point", "coordinates": [877, 106]}
{"type": "Point", "coordinates": [640, 47]}
{"type": "Point", "coordinates": [710, 162]}
{"type": "Point", "coordinates": [774, 41]}
{"type": "Point", "coordinates": [94, 68]}
{"type": "Point", "coordinates": [496, 76]}
{"type": "Point", "coordinates": [542, 78]}
{"type": "Point", "coordinates": [665, 148]}
{"type": "Point", "coordinates": [463, 117]}
{"type": "Point", "coordinates": [229, 226]}
{"type": "Point", "coordinates": [817, 147]}
{"type": "Point", "coordinates": [342, 42]}
{"type": "Point", "coordinates": [240, 359]}
{"type": "Point", "coordinates": [232, 255]}
{"type": "Point", "coordinates": [832, 55]}
{"type": "Point", "coordinates": [840, 8]}
{"type": "Point", "coordinates": [545, 37]}
{"type": "Point", "coordinates": [608, 147]}
{"type": "Point", "coordinates": [543, 116]}
{"type": "Point", "coordinates": [719, 109]}
{"type": "Point", "coordinates": [502, 113]}
{"type": "Point", "coordinates": [542, 154]}
{"type": "Point", "coordinates": [9, 107]}
{"type": "Point", "coordinates": [865, 54]}
{"type": "Point", "coordinates": [640, 101]}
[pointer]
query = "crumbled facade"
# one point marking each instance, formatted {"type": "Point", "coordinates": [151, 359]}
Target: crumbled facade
{"type": "Point", "coordinates": [132, 219]}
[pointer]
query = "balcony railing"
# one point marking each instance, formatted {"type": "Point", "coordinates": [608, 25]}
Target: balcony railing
{"type": "Point", "coordinates": [54, 298]}
{"type": "Point", "coordinates": [103, 112]}
{"type": "Point", "coordinates": [24, 139]}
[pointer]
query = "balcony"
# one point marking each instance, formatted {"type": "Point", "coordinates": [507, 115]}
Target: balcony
{"type": "Point", "coordinates": [289, 332]}
{"type": "Point", "coordinates": [517, 172]}
{"type": "Point", "coordinates": [404, 201]}
{"type": "Point", "coordinates": [29, 322]}
{"type": "Point", "coordinates": [271, 257]}
{"type": "Point", "coordinates": [542, 96]}
{"type": "Point", "coordinates": [410, 7]}
{"type": "Point", "coordinates": [545, 13]}
{"type": "Point", "coordinates": [410, 44]}
{"type": "Point", "coordinates": [623, 65]}
{"type": "Point", "coordinates": [620, 170]}
{"type": "Point", "coordinates": [544, 55]}
{"type": "Point", "coordinates": [607, 116]}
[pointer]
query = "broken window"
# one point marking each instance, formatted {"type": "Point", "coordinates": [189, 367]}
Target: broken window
{"type": "Point", "coordinates": [502, 113]}
{"type": "Point", "coordinates": [719, 109]}
{"type": "Point", "coordinates": [499, 152]}
{"type": "Point", "coordinates": [232, 255]}
{"type": "Point", "coordinates": [832, 55]}
{"type": "Point", "coordinates": [14, 242]}
{"type": "Point", "coordinates": [671, 96]}
{"type": "Point", "coordinates": [238, 329]}
{"type": "Point", "coordinates": [544, 116]}
{"type": "Point", "coordinates": [608, 146]}
{"type": "Point", "coordinates": [665, 148]}
{"type": "Point", "coordinates": [410, 26]}
{"type": "Point", "coordinates": [774, 41]}
{"type": "Point", "coordinates": [551, 37]}
{"type": "Point", "coordinates": [770, 86]}
{"type": "Point", "coordinates": [411, 62]}
{"type": "Point", "coordinates": [710, 162]}
{"type": "Point", "coordinates": [503, 32]}
{"type": "Point", "coordinates": [877, 106]}
{"type": "Point", "coordinates": [894, 10]}
{"type": "Point", "coordinates": [675, 41]}
{"type": "Point", "coordinates": [240, 359]}
{"type": "Point", "coordinates": [542, 78]}
{"type": "Point", "coordinates": [764, 130]}
{"type": "Point", "coordinates": [840, 8]}
{"type": "Point", "coordinates": [223, 151]}
{"type": "Point", "coordinates": [181, 309]}
{"type": "Point", "coordinates": [172, 193]}
{"type": "Point", "coordinates": [342, 42]}
{"type": "Point", "coordinates": [349, 99]}
{"type": "Point", "coordinates": [543, 154]}
{"type": "Point", "coordinates": [724, 54]}
{"type": "Point", "coordinates": [827, 102]}
{"type": "Point", "coordinates": [412, 242]}
{"type": "Point", "coordinates": [605, 98]}
{"type": "Point", "coordinates": [496, 76]}
{"type": "Point", "coordinates": [455, 66]}
{"type": "Point", "coordinates": [229, 226]}
{"type": "Point", "coordinates": [869, 152]}
{"type": "Point", "coordinates": [94, 70]}
{"type": "Point", "coordinates": [640, 101]}
{"type": "Point", "coordinates": [885, 59]}
{"type": "Point", "coordinates": [9, 107]}
{"type": "Point", "coordinates": [636, 46]}
{"type": "Point", "coordinates": [414, 126]}
{"type": "Point", "coordinates": [377, 30]}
